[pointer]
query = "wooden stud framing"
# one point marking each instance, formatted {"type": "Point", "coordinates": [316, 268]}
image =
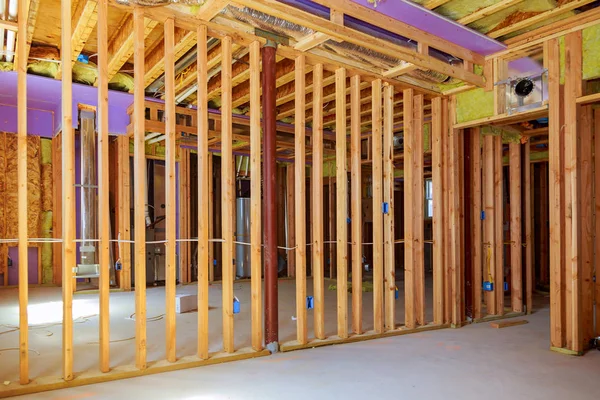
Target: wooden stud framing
{"type": "Point", "coordinates": [356, 204]}
{"type": "Point", "coordinates": [437, 134]}
{"type": "Point", "coordinates": [516, 270]}
{"type": "Point", "coordinates": [388, 197]}
{"type": "Point", "coordinates": [124, 195]}
{"type": "Point", "coordinates": [139, 183]}
{"type": "Point", "coordinates": [170, 191]}
{"type": "Point", "coordinates": [255, 197]}
{"type": "Point", "coordinates": [211, 215]}
{"type": "Point", "coordinates": [597, 214]}
{"type": "Point", "coordinates": [22, 195]}
{"type": "Point", "coordinates": [205, 264]}
{"type": "Point", "coordinates": [418, 209]}
{"type": "Point", "coordinates": [342, 203]}
{"type": "Point", "coordinates": [552, 60]}
{"type": "Point", "coordinates": [410, 317]}
{"type": "Point", "coordinates": [68, 190]}
{"type": "Point", "coordinates": [300, 201]}
{"type": "Point", "coordinates": [290, 188]}
{"type": "Point", "coordinates": [317, 209]}
{"type": "Point", "coordinates": [376, 100]}
{"type": "Point", "coordinates": [498, 226]}
{"type": "Point", "coordinates": [446, 122]}
{"type": "Point", "coordinates": [528, 217]}
{"type": "Point", "coordinates": [103, 186]}
{"type": "Point", "coordinates": [454, 205]}
{"type": "Point", "coordinates": [228, 195]}
{"type": "Point", "coordinates": [476, 242]}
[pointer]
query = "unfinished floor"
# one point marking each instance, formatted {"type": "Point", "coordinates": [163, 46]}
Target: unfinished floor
{"type": "Point", "coordinates": [469, 363]}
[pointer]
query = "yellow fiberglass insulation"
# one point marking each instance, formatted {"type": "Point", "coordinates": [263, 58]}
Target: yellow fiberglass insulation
{"type": "Point", "coordinates": [458, 9]}
{"type": "Point", "coordinates": [474, 104]}
{"type": "Point", "coordinates": [591, 52]}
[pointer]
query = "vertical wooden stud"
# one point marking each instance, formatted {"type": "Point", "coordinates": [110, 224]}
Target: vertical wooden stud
{"type": "Point", "coordinates": [498, 226]}
{"type": "Point", "coordinates": [377, 204]}
{"type": "Point", "coordinates": [139, 182]}
{"type": "Point", "coordinates": [597, 210]}
{"type": "Point", "coordinates": [516, 270]}
{"type": "Point", "coordinates": [418, 210]}
{"type": "Point", "coordinates": [211, 214]}
{"type": "Point", "coordinates": [476, 221]}
{"type": "Point", "coordinates": [446, 207]}
{"type": "Point", "coordinates": [317, 211]}
{"type": "Point", "coordinates": [438, 209]}
{"type": "Point", "coordinates": [68, 189]}
{"type": "Point", "coordinates": [205, 263]}
{"type": "Point", "coordinates": [124, 185]}
{"type": "Point", "coordinates": [227, 194]}
{"type": "Point", "coordinates": [171, 205]}
{"type": "Point", "coordinates": [22, 192]}
{"type": "Point", "coordinates": [454, 197]}
{"type": "Point", "coordinates": [290, 188]}
{"type": "Point", "coordinates": [388, 197]}
{"type": "Point", "coordinates": [342, 203]}
{"type": "Point", "coordinates": [103, 186]}
{"type": "Point", "coordinates": [527, 215]}
{"type": "Point", "coordinates": [410, 317]}
{"type": "Point", "coordinates": [300, 192]}
{"type": "Point", "coordinates": [356, 204]}
{"type": "Point", "coordinates": [255, 197]}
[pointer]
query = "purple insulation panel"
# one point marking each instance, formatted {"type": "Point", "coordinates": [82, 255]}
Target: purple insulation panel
{"type": "Point", "coordinates": [13, 271]}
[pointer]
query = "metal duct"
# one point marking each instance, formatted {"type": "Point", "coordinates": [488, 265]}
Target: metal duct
{"type": "Point", "coordinates": [267, 22]}
{"type": "Point", "coordinates": [242, 233]}
{"type": "Point", "coordinates": [88, 266]}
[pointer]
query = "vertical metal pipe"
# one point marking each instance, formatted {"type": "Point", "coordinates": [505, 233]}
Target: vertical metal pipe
{"type": "Point", "coordinates": [270, 196]}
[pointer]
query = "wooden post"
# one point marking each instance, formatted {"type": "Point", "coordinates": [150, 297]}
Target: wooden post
{"type": "Point", "coordinates": [377, 162]}
{"type": "Point", "coordinates": [290, 188]}
{"type": "Point", "coordinates": [170, 189]}
{"type": "Point", "coordinates": [342, 203]}
{"type": "Point", "coordinates": [475, 211]}
{"type": "Point", "coordinates": [527, 215]}
{"type": "Point", "coordinates": [69, 260]}
{"type": "Point", "coordinates": [330, 217]}
{"type": "Point", "coordinates": [388, 197]}
{"type": "Point", "coordinates": [552, 60]}
{"type": "Point", "coordinates": [205, 262]}
{"type": "Point", "coordinates": [597, 209]}
{"type": "Point", "coordinates": [356, 204]}
{"type": "Point", "coordinates": [418, 209]}
{"type": "Point", "coordinates": [22, 193]}
{"type": "Point", "coordinates": [300, 192]}
{"type": "Point", "coordinates": [57, 200]}
{"type": "Point", "coordinates": [103, 186]}
{"type": "Point", "coordinates": [438, 209]}
{"type": "Point", "coordinates": [410, 317]}
{"type": "Point", "coordinates": [498, 226]}
{"type": "Point", "coordinates": [255, 197]}
{"type": "Point", "coordinates": [227, 195]}
{"type": "Point", "coordinates": [447, 249]}
{"type": "Point", "coordinates": [124, 194]}
{"type": "Point", "coordinates": [573, 90]}
{"type": "Point", "coordinates": [516, 269]}
{"type": "Point", "coordinates": [317, 210]}
{"type": "Point", "coordinates": [210, 190]}
{"type": "Point", "coordinates": [454, 197]}
{"type": "Point", "coordinates": [139, 182]}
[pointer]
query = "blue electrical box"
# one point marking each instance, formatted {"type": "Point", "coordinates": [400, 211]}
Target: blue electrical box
{"type": "Point", "coordinates": [482, 215]}
{"type": "Point", "coordinates": [396, 294]}
{"type": "Point", "coordinates": [488, 286]}
{"type": "Point", "coordinates": [348, 220]}
{"type": "Point", "coordinates": [83, 58]}
{"type": "Point", "coordinates": [385, 208]}
{"type": "Point", "coordinates": [310, 302]}
{"type": "Point", "coordinates": [118, 266]}
{"type": "Point", "coordinates": [236, 305]}
{"type": "Point", "coordinates": [215, 262]}
{"type": "Point", "coordinates": [506, 286]}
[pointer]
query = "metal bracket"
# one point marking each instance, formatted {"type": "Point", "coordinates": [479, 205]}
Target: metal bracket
{"type": "Point", "coordinates": [272, 36]}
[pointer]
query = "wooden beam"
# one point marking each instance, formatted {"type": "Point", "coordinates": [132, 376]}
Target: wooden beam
{"type": "Point", "coordinates": [22, 198]}
{"type": "Point", "coordinates": [418, 208]}
{"type": "Point", "coordinates": [155, 61]}
{"type": "Point", "coordinates": [342, 204]}
{"type": "Point", "coordinates": [476, 242]}
{"type": "Point", "coordinates": [589, 99]}
{"type": "Point", "coordinates": [516, 269]}
{"type": "Point", "coordinates": [438, 210]}
{"type": "Point", "coordinates": [552, 61]}
{"type": "Point", "coordinates": [487, 11]}
{"type": "Point", "coordinates": [9, 25]}
{"type": "Point", "coordinates": [498, 226]}
{"type": "Point", "coordinates": [400, 70]}
{"type": "Point", "coordinates": [122, 45]}
{"type": "Point", "coordinates": [211, 8]}
{"type": "Point", "coordinates": [295, 15]}
{"type": "Point", "coordinates": [544, 16]}
{"type": "Point", "coordinates": [356, 204]}
{"type": "Point", "coordinates": [300, 201]}
{"type": "Point", "coordinates": [103, 186]}
{"type": "Point", "coordinates": [377, 177]}
{"type": "Point", "coordinates": [34, 6]}
{"type": "Point", "coordinates": [317, 208]}
{"type": "Point", "coordinates": [68, 192]}
{"type": "Point", "coordinates": [170, 191]}
{"type": "Point", "coordinates": [528, 216]}
{"type": "Point", "coordinates": [139, 183]}
{"type": "Point", "coordinates": [410, 318]}
{"type": "Point", "coordinates": [573, 90]}
{"type": "Point", "coordinates": [312, 40]}
{"type": "Point", "coordinates": [388, 219]}
{"type": "Point", "coordinates": [84, 21]}
{"type": "Point", "coordinates": [255, 198]}
{"type": "Point", "coordinates": [228, 196]}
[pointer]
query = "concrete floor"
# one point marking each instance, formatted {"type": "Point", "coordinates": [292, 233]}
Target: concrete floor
{"type": "Point", "coordinates": [473, 362]}
{"type": "Point", "coordinates": [45, 315]}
